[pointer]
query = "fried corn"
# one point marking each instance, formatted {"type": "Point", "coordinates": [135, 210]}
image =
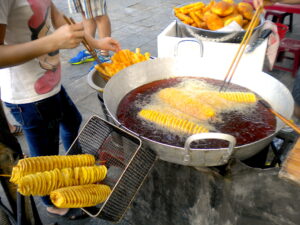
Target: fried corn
{"type": "Point", "coordinates": [171, 122]}
{"type": "Point", "coordinates": [80, 196]}
{"type": "Point", "coordinates": [242, 97]}
{"type": "Point", "coordinates": [186, 103]}
{"type": "Point", "coordinates": [43, 163]}
{"type": "Point", "coordinates": [42, 183]}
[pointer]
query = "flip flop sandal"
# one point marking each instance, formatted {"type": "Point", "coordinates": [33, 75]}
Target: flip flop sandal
{"type": "Point", "coordinates": [18, 130]}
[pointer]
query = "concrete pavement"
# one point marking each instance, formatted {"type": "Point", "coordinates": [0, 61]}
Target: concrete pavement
{"type": "Point", "coordinates": [135, 23]}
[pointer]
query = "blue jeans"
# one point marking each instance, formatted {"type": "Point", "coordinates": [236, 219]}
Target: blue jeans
{"type": "Point", "coordinates": [43, 121]}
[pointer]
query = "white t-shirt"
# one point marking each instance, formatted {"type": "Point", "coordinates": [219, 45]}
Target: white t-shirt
{"type": "Point", "coordinates": [37, 79]}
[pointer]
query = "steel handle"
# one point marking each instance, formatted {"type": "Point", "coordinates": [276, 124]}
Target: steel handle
{"type": "Point", "coordinates": [221, 136]}
{"type": "Point", "coordinates": [189, 40]}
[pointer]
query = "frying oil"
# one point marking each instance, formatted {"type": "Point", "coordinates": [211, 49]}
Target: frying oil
{"type": "Point", "coordinates": [247, 122]}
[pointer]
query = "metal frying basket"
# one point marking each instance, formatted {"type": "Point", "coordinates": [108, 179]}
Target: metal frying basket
{"type": "Point", "coordinates": [127, 161]}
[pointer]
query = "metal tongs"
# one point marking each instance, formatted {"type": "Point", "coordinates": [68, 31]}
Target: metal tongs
{"type": "Point", "coordinates": [241, 50]}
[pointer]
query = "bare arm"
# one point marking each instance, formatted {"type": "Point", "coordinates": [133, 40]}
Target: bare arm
{"type": "Point", "coordinates": [104, 43]}
{"type": "Point", "coordinates": [57, 17]}
{"type": "Point", "coordinates": [64, 37]}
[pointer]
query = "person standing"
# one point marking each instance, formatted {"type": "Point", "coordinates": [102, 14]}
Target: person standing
{"type": "Point", "coordinates": [95, 18]}
{"type": "Point", "coordinates": [31, 34]}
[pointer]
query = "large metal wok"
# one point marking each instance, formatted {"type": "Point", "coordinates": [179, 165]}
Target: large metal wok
{"type": "Point", "coordinates": [139, 74]}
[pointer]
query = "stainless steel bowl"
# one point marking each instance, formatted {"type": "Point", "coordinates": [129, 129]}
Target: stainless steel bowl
{"type": "Point", "coordinates": [185, 30]}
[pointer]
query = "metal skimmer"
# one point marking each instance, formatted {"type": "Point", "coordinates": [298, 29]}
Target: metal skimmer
{"type": "Point", "coordinates": [127, 161]}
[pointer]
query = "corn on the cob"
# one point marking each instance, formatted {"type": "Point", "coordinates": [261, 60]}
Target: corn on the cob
{"type": "Point", "coordinates": [186, 103]}
{"type": "Point", "coordinates": [42, 183]}
{"type": "Point", "coordinates": [242, 97]}
{"type": "Point", "coordinates": [80, 196]}
{"type": "Point", "coordinates": [172, 122]}
{"type": "Point", "coordinates": [43, 163]}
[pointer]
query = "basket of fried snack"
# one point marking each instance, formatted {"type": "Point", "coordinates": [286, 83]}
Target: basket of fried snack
{"type": "Point", "coordinates": [43, 175]}
{"type": "Point", "coordinates": [120, 60]}
{"type": "Point", "coordinates": [223, 21]}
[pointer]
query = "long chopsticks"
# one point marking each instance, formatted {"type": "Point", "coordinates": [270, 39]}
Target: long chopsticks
{"type": "Point", "coordinates": [88, 47]}
{"type": "Point", "coordinates": [241, 49]}
{"type": "Point", "coordinates": [84, 41]}
{"type": "Point", "coordinates": [285, 120]}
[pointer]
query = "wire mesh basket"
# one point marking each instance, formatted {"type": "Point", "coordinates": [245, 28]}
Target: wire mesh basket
{"type": "Point", "coordinates": [128, 164]}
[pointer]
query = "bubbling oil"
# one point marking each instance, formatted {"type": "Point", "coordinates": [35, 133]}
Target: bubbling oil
{"type": "Point", "coordinates": [246, 122]}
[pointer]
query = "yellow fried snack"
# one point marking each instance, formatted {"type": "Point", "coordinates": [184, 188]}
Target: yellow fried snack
{"type": "Point", "coordinates": [184, 18]}
{"type": "Point", "coordinates": [80, 196]}
{"type": "Point", "coordinates": [246, 10]}
{"type": "Point", "coordinates": [42, 163]}
{"type": "Point", "coordinates": [222, 8]}
{"type": "Point", "coordinates": [209, 6]}
{"type": "Point", "coordinates": [186, 103]}
{"type": "Point", "coordinates": [242, 97]}
{"type": "Point", "coordinates": [214, 22]}
{"type": "Point", "coordinates": [42, 183]}
{"type": "Point", "coordinates": [171, 122]}
{"type": "Point", "coordinates": [237, 18]}
{"type": "Point", "coordinates": [120, 60]}
{"type": "Point", "coordinates": [197, 20]}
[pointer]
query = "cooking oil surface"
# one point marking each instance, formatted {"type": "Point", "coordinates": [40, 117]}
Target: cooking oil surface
{"type": "Point", "coordinates": [247, 122]}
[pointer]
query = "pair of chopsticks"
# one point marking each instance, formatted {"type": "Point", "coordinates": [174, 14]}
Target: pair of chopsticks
{"type": "Point", "coordinates": [241, 49]}
{"type": "Point", "coordinates": [84, 41]}
{"type": "Point", "coordinates": [87, 46]}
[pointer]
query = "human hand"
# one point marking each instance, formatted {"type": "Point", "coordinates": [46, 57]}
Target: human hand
{"type": "Point", "coordinates": [108, 44]}
{"type": "Point", "coordinates": [68, 36]}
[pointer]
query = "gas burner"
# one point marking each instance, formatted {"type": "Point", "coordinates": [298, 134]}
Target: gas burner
{"type": "Point", "coordinates": [274, 154]}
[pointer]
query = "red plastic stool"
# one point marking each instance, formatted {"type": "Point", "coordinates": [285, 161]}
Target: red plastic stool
{"type": "Point", "coordinates": [282, 29]}
{"type": "Point", "coordinates": [278, 17]}
{"type": "Point", "coordinates": [292, 46]}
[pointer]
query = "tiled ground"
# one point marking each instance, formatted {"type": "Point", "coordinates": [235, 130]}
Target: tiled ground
{"type": "Point", "coordinates": [135, 23]}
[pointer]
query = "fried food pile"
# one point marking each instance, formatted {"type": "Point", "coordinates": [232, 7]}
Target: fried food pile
{"type": "Point", "coordinates": [120, 60]}
{"type": "Point", "coordinates": [71, 181]}
{"type": "Point", "coordinates": [215, 15]}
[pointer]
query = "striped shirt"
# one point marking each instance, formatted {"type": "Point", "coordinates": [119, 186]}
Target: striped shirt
{"type": "Point", "coordinates": [89, 8]}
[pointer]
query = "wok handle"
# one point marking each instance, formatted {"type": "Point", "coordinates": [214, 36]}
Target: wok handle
{"type": "Point", "coordinates": [190, 40]}
{"type": "Point", "coordinates": [201, 136]}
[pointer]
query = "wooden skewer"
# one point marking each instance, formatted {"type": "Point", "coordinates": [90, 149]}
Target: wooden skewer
{"type": "Point", "coordinates": [285, 120]}
{"type": "Point", "coordinates": [5, 175]}
{"type": "Point", "coordinates": [241, 48]}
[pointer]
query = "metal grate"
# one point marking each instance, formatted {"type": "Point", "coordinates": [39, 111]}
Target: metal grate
{"type": "Point", "coordinates": [127, 161]}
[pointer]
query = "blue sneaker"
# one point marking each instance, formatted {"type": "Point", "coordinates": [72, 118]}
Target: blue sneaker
{"type": "Point", "coordinates": [102, 58]}
{"type": "Point", "coordinates": [82, 57]}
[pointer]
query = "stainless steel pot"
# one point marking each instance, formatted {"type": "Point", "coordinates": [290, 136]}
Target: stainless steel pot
{"type": "Point", "coordinates": [139, 74]}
